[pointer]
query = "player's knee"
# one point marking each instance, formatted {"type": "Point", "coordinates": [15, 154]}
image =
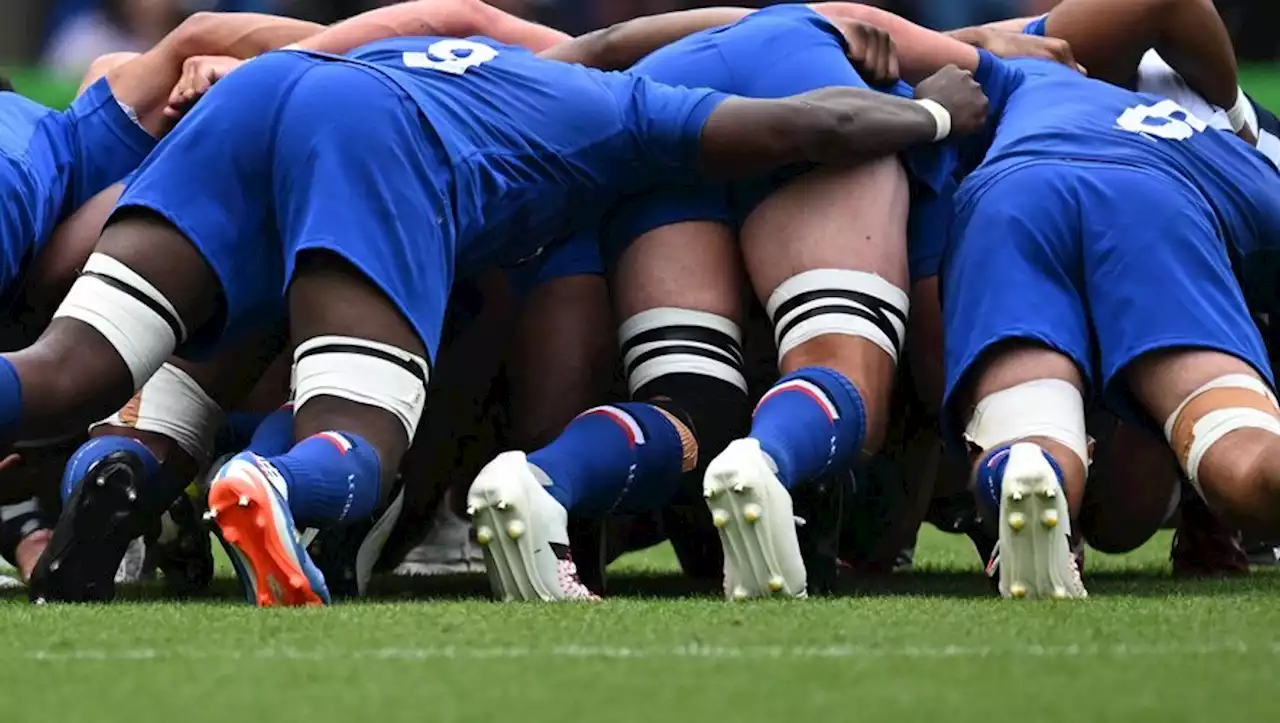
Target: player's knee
{"type": "Point", "coordinates": [690, 364]}
{"type": "Point", "coordinates": [1230, 403]}
{"type": "Point", "coordinates": [128, 311]}
{"type": "Point", "coordinates": [1045, 408]}
{"type": "Point", "coordinates": [824, 302]}
{"type": "Point", "coordinates": [173, 405]}
{"type": "Point", "coordinates": [366, 372]}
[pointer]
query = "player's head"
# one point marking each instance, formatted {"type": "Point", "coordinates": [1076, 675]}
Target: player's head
{"type": "Point", "coordinates": [5, 84]}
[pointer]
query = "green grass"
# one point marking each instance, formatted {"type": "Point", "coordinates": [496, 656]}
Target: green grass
{"type": "Point", "coordinates": [928, 646]}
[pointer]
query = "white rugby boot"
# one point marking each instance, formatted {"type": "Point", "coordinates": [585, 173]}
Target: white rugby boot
{"type": "Point", "coordinates": [1034, 556]}
{"type": "Point", "coordinates": [753, 513]}
{"type": "Point", "coordinates": [524, 532]}
{"type": "Point", "coordinates": [448, 549]}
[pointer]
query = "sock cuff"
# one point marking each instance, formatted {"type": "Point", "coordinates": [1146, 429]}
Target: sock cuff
{"type": "Point", "coordinates": [840, 397]}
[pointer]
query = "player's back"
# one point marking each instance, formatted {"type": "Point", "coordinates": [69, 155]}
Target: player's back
{"type": "Point", "coordinates": [34, 155]}
{"type": "Point", "coordinates": [538, 147]}
{"type": "Point", "coordinates": [1046, 112]}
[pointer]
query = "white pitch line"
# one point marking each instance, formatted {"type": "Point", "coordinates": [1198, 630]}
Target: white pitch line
{"type": "Point", "coordinates": [588, 652]}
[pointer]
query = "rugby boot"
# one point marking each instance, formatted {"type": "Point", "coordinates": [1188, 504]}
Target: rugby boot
{"type": "Point", "coordinates": [1034, 557]}
{"type": "Point", "coordinates": [251, 516]}
{"type": "Point", "coordinates": [757, 524]}
{"type": "Point", "coordinates": [524, 532]}
{"type": "Point", "coordinates": [113, 505]}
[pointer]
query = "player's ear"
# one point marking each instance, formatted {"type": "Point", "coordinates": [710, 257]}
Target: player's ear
{"type": "Point", "coordinates": [5, 84]}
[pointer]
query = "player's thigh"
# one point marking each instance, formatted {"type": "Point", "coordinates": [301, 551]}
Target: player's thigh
{"type": "Point", "coordinates": [1010, 282]}
{"type": "Point", "coordinates": [675, 247]}
{"type": "Point", "coordinates": [831, 219]}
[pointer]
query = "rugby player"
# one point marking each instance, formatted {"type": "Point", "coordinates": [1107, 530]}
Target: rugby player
{"type": "Point", "coordinates": [1146, 272]}
{"type": "Point", "coordinates": [839, 275]}
{"type": "Point", "coordinates": [142, 456]}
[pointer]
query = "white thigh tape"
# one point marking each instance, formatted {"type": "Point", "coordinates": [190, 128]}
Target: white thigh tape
{"type": "Point", "coordinates": [1049, 408]}
{"type": "Point", "coordinates": [838, 301]}
{"type": "Point", "coordinates": [668, 340]}
{"type": "Point", "coordinates": [173, 404]}
{"type": "Point", "coordinates": [128, 312]}
{"type": "Point", "coordinates": [362, 371]}
{"type": "Point", "coordinates": [1218, 423]}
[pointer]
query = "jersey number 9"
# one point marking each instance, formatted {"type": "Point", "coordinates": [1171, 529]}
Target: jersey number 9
{"type": "Point", "coordinates": [452, 56]}
{"type": "Point", "coordinates": [1175, 122]}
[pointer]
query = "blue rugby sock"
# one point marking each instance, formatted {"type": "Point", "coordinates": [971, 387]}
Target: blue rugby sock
{"type": "Point", "coordinates": [333, 478]}
{"type": "Point", "coordinates": [624, 456]}
{"type": "Point", "coordinates": [93, 451]}
{"type": "Point", "coordinates": [812, 420]}
{"type": "Point", "coordinates": [989, 481]}
{"type": "Point", "coordinates": [274, 434]}
{"type": "Point", "coordinates": [10, 401]}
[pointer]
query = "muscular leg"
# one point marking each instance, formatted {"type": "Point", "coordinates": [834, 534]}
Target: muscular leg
{"type": "Point", "coordinates": [1235, 463]}
{"type": "Point", "coordinates": [675, 286]}
{"type": "Point", "coordinates": [828, 252]}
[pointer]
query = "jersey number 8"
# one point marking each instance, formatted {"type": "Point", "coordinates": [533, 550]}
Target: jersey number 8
{"type": "Point", "coordinates": [1175, 122]}
{"type": "Point", "coordinates": [451, 56]}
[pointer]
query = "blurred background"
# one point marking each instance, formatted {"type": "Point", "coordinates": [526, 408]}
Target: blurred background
{"type": "Point", "coordinates": [45, 45]}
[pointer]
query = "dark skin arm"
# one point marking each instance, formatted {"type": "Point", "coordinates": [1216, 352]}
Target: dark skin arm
{"type": "Point", "coordinates": [746, 137]}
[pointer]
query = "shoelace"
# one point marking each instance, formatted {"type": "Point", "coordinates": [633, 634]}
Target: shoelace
{"type": "Point", "coordinates": [567, 576]}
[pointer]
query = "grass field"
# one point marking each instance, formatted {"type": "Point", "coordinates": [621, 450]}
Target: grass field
{"type": "Point", "coordinates": [929, 646]}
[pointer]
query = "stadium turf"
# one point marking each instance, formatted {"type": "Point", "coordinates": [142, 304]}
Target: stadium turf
{"type": "Point", "coordinates": [932, 646]}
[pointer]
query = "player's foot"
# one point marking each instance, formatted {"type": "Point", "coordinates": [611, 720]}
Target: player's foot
{"type": "Point", "coordinates": [1034, 557]}
{"type": "Point", "coordinates": [108, 510]}
{"type": "Point", "coordinates": [753, 512]}
{"type": "Point", "coordinates": [448, 549]}
{"type": "Point", "coordinates": [1203, 546]}
{"type": "Point", "coordinates": [253, 519]}
{"type": "Point", "coordinates": [181, 549]}
{"type": "Point", "coordinates": [524, 532]}
{"type": "Point", "coordinates": [347, 555]}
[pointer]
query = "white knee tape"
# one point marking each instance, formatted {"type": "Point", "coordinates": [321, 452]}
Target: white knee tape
{"type": "Point", "coordinates": [667, 340]}
{"type": "Point", "coordinates": [173, 404]}
{"type": "Point", "coordinates": [1205, 430]}
{"type": "Point", "coordinates": [1049, 408]}
{"type": "Point", "coordinates": [128, 311]}
{"type": "Point", "coordinates": [362, 371]}
{"type": "Point", "coordinates": [838, 301]}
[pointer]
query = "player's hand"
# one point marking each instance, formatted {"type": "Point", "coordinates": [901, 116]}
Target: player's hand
{"type": "Point", "coordinates": [870, 50]}
{"type": "Point", "coordinates": [957, 91]}
{"type": "Point", "coordinates": [199, 73]}
{"type": "Point", "coordinates": [1021, 45]}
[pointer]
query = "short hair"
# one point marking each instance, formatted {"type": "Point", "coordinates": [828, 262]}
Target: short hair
{"type": "Point", "coordinates": [5, 84]}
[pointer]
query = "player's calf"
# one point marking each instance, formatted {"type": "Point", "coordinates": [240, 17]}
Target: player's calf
{"type": "Point", "coordinates": [1032, 457]}
{"type": "Point", "coordinates": [117, 486]}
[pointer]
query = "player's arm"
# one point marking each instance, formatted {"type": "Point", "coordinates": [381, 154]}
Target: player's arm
{"type": "Point", "coordinates": [922, 51]}
{"type": "Point", "coordinates": [445, 18]}
{"type": "Point", "coordinates": [1111, 36]}
{"type": "Point", "coordinates": [837, 126]}
{"type": "Point", "coordinates": [620, 46]}
{"type": "Point", "coordinates": [145, 82]}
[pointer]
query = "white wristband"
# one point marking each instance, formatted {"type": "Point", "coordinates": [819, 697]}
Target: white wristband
{"type": "Point", "coordinates": [941, 118]}
{"type": "Point", "coordinates": [1238, 114]}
